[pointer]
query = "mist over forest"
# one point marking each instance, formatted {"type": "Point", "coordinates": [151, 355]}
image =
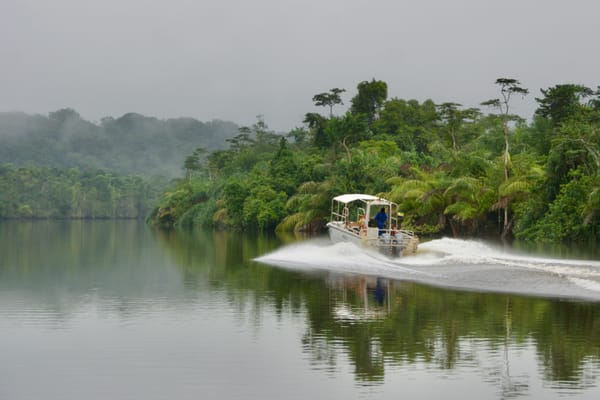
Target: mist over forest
{"type": "Point", "coordinates": [132, 144]}
{"type": "Point", "coordinates": [453, 170]}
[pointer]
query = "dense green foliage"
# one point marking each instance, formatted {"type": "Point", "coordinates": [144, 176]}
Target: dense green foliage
{"type": "Point", "coordinates": [131, 144]}
{"type": "Point", "coordinates": [38, 192]}
{"type": "Point", "coordinates": [453, 171]}
{"type": "Point", "coordinates": [62, 166]}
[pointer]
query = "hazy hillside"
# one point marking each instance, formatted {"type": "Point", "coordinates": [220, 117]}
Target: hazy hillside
{"type": "Point", "coordinates": [130, 144]}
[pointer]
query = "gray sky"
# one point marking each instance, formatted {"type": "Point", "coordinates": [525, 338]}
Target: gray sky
{"type": "Point", "coordinates": [235, 59]}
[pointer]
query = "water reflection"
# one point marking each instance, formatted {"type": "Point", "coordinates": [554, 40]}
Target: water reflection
{"type": "Point", "coordinates": [381, 323]}
{"type": "Point", "coordinates": [58, 267]}
{"type": "Point", "coordinates": [51, 272]}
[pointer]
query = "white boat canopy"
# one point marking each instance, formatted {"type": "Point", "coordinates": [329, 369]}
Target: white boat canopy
{"type": "Point", "coordinates": [348, 198]}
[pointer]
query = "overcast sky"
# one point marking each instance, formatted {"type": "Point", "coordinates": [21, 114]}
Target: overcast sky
{"type": "Point", "coordinates": [235, 59]}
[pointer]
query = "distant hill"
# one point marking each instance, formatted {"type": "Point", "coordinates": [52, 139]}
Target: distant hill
{"type": "Point", "coordinates": [131, 144]}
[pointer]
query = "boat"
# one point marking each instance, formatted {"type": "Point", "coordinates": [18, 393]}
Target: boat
{"type": "Point", "coordinates": [354, 219]}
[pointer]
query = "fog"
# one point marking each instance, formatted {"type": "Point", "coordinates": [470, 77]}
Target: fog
{"type": "Point", "coordinates": [236, 59]}
{"type": "Point", "coordinates": [130, 144]}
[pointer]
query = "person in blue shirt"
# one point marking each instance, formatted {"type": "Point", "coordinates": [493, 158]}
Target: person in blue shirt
{"type": "Point", "coordinates": [381, 219]}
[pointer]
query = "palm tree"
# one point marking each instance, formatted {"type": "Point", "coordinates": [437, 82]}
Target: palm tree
{"type": "Point", "coordinates": [311, 202]}
{"type": "Point", "coordinates": [527, 174]}
{"type": "Point", "coordinates": [470, 201]}
{"type": "Point", "coordinates": [422, 197]}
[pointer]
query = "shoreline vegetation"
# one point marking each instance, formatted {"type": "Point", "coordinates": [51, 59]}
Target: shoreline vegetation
{"type": "Point", "coordinates": [64, 167]}
{"type": "Point", "coordinates": [454, 171]}
{"type": "Point", "coordinates": [53, 193]}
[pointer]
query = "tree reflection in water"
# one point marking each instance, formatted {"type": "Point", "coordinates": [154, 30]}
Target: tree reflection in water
{"type": "Point", "coordinates": [378, 323]}
{"type": "Point", "coordinates": [372, 325]}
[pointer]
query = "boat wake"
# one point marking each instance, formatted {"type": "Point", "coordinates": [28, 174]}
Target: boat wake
{"type": "Point", "coordinates": [452, 263]}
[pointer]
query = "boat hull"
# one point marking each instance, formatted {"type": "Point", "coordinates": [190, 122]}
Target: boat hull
{"type": "Point", "coordinates": [339, 234]}
{"type": "Point", "coordinates": [398, 245]}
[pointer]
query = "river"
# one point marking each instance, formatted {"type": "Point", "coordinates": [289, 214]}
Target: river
{"type": "Point", "coordinates": [116, 310]}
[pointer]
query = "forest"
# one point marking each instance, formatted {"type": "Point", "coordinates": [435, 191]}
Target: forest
{"type": "Point", "coordinates": [453, 170]}
{"type": "Point", "coordinates": [62, 166]}
{"type": "Point", "coordinates": [42, 192]}
{"type": "Point", "coordinates": [129, 145]}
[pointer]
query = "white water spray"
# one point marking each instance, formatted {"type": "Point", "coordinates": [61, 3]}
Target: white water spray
{"type": "Point", "coordinates": [465, 264]}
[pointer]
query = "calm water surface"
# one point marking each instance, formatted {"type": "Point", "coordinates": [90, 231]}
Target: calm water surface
{"type": "Point", "coordinates": [114, 310]}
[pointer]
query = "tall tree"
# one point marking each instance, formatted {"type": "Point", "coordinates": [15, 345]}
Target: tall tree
{"type": "Point", "coordinates": [329, 99]}
{"type": "Point", "coordinates": [508, 87]}
{"type": "Point", "coordinates": [454, 117]}
{"type": "Point", "coordinates": [561, 102]}
{"type": "Point", "coordinates": [316, 123]}
{"type": "Point", "coordinates": [370, 98]}
{"type": "Point", "coordinates": [410, 123]}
